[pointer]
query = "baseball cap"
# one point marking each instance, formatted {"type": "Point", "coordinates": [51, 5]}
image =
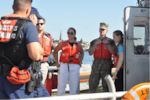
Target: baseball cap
{"type": "Point", "coordinates": [104, 25]}
{"type": "Point", "coordinates": [35, 11]}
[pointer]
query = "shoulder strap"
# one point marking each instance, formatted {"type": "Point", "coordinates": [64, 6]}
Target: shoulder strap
{"type": "Point", "coordinates": [116, 49]}
{"type": "Point", "coordinates": [47, 34]}
{"type": "Point", "coordinates": [20, 23]}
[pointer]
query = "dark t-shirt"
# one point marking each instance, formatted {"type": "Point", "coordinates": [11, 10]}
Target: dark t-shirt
{"type": "Point", "coordinates": [92, 43]}
{"type": "Point", "coordinates": [29, 33]}
{"type": "Point", "coordinates": [71, 43]}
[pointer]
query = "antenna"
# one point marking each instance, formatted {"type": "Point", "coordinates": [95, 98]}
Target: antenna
{"type": "Point", "coordinates": [138, 1]}
{"type": "Point", "coordinates": [143, 3]}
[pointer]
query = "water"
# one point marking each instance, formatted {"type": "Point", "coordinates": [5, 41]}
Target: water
{"type": "Point", "coordinates": [86, 60]}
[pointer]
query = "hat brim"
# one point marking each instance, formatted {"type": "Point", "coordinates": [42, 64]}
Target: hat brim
{"type": "Point", "coordinates": [103, 27]}
{"type": "Point", "coordinates": [39, 16]}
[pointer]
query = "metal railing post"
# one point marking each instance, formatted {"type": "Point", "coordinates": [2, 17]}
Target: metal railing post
{"type": "Point", "coordinates": [111, 86]}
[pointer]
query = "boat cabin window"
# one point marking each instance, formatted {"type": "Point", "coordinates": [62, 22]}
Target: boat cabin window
{"type": "Point", "coordinates": [141, 40]}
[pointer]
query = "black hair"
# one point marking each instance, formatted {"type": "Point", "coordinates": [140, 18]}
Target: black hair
{"type": "Point", "coordinates": [75, 38]}
{"type": "Point", "coordinates": [118, 32]}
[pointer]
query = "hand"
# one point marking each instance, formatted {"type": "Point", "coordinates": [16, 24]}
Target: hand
{"type": "Point", "coordinates": [80, 64]}
{"type": "Point", "coordinates": [41, 58]}
{"type": "Point", "coordinates": [115, 75]}
{"type": "Point", "coordinates": [98, 42]}
{"type": "Point", "coordinates": [105, 41]}
{"type": "Point", "coordinates": [58, 65]}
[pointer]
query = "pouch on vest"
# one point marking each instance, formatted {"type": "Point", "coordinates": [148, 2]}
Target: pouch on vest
{"type": "Point", "coordinates": [17, 76]}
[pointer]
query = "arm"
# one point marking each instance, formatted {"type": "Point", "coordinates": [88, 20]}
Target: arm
{"type": "Point", "coordinates": [34, 48]}
{"type": "Point", "coordinates": [93, 46]}
{"type": "Point", "coordinates": [82, 54]}
{"type": "Point", "coordinates": [110, 48]}
{"type": "Point", "coordinates": [59, 46]}
{"type": "Point", "coordinates": [110, 45]}
{"type": "Point", "coordinates": [35, 51]}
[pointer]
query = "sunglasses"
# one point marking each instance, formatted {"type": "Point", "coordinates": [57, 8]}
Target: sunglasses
{"type": "Point", "coordinates": [102, 29]}
{"type": "Point", "coordinates": [40, 24]}
{"type": "Point", "coordinates": [70, 33]}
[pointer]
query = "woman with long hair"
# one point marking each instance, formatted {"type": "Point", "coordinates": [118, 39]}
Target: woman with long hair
{"type": "Point", "coordinates": [70, 62]}
{"type": "Point", "coordinates": [118, 59]}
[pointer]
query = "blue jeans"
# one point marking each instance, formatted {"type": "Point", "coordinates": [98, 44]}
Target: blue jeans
{"type": "Point", "coordinates": [11, 91]}
{"type": "Point", "coordinates": [41, 92]}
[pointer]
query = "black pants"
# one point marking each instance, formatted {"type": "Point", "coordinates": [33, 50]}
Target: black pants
{"type": "Point", "coordinates": [119, 81]}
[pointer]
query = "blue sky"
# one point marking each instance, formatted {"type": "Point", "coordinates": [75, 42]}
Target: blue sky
{"type": "Point", "coordinates": [83, 15]}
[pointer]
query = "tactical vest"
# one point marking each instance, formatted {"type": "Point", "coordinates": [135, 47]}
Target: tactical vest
{"type": "Point", "coordinates": [12, 48]}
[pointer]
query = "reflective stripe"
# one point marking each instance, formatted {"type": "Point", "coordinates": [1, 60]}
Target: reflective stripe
{"type": "Point", "coordinates": [47, 37]}
{"type": "Point", "coordinates": [144, 86]}
{"type": "Point", "coordinates": [135, 95]}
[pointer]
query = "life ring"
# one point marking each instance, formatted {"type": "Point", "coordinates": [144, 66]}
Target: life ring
{"type": "Point", "coordinates": [138, 92]}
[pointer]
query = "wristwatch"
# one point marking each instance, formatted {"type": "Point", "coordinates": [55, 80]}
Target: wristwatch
{"type": "Point", "coordinates": [108, 43]}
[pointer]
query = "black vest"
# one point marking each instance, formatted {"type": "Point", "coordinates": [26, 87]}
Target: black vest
{"type": "Point", "coordinates": [13, 50]}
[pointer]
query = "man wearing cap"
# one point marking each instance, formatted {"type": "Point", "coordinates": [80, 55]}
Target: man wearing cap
{"type": "Point", "coordinates": [34, 17]}
{"type": "Point", "coordinates": [102, 59]}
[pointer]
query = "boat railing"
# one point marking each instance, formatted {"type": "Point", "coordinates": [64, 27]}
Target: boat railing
{"type": "Point", "coordinates": [112, 94]}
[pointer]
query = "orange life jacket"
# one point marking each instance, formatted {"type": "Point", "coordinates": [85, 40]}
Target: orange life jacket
{"type": "Point", "coordinates": [70, 54]}
{"type": "Point", "coordinates": [116, 58]}
{"type": "Point", "coordinates": [45, 41]}
{"type": "Point", "coordinates": [102, 52]}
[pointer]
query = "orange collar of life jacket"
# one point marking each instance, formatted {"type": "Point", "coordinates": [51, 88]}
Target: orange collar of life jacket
{"type": "Point", "coordinates": [14, 15]}
{"type": "Point", "coordinates": [42, 35]}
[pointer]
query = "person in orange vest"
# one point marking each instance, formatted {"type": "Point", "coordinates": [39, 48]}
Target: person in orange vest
{"type": "Point", "coordinates": [19, 47]}
{"type": "Point", "coordinates": [118, 59]}
{"type": "Point", "coordinates": [70, 62]}
{"type": "Point", "coordinates": [46, 41]}
{"type": "Point", "coordinates": [102, 59]}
